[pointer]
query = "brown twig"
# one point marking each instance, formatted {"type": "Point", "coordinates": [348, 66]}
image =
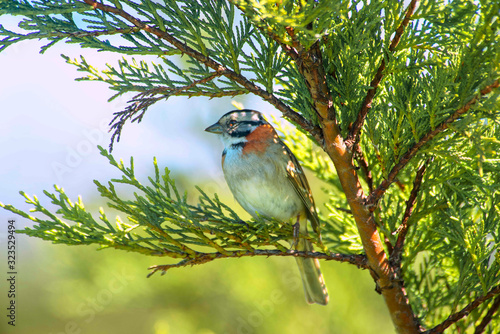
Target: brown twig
{"type": "Point", "coordinates": [353, 137]}
{"type": "Point", "coordinates": [464, 312]}
{"type": "Point", "coordinates": [141, 102]}
{"type": "Point", "coordinates": [344, 210]}
{"type": "Point", "coordinates": [309, 63]}
{"type": "Point", "coordinates": [384, 185]}
{"type": "Point", "coordinates": [206, 60]}
{"type": "Point", "coordinates": [403, 228]}
{"type": "Point", "coordinates": [201, 81]}
{"type": "Point", "coordinates": [358, 260]}
{"type": "Point", "coordinates": [488, 317]}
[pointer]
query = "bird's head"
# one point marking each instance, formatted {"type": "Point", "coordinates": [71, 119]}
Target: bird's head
{"type": "Point", "coordinates": [236, 125]}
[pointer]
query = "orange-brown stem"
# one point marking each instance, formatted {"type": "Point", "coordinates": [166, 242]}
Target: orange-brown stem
{"type": "Point", "coordinates": [393, 292]}
{"type": "Point", "coordinates": [312, 69]}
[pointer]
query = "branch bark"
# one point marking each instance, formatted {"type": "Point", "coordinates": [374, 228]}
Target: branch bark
{"type": "Point", "coordinates": [464, 312]}
{"type": "Point", "coordinates": [311, 67]}
{"type": "Point", "coordinates": [200, 258]}
{"type": "Point", "coordinates": [360, 158]}
{"type": "Point", "coordinates": [488, 317]}
{"type": "Point", "coordinates": [403, 228]}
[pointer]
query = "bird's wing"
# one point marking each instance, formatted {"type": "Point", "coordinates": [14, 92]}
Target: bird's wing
{"type": "Point", "coordinates": [297, 178]}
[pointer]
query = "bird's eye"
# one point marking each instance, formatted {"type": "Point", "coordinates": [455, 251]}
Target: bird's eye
{"type": "Point", "coordinates": [232, 123]}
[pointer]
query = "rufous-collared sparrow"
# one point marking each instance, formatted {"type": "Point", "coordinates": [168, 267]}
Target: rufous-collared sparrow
{"type": "Point", "coordinates": [267, 180]}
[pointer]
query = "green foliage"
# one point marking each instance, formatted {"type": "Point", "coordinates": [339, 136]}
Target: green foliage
{"type": "Point", "coordinates": [309, 21]}
{"type": "Point", "coordinates": [436, 93]}
{"type": "Point", "coordinates": [160, 222]}
{"type": "Point", "coordinates": [424, 84]}
{"type": "Point", "coordinates": [452, 255]}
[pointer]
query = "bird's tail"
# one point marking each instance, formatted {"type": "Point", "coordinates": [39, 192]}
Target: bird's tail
{"type": "Point", "coordinates": [312, 278]}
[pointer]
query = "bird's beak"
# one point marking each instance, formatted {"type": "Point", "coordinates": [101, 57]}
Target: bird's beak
{"type": "Point", "coordinates": [214, 128]}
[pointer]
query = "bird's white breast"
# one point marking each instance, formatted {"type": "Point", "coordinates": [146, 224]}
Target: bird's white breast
{"type": "Point", "coordinates": [260, 184]}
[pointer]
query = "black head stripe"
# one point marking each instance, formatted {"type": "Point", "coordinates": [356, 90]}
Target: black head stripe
{"type": "Point", "coordinates": [245, 115]}
{"type": "Point", "coordinates": [238, 132]}
{"type": "Point", "coordinates": [240, 123]}
{"type": "Point", "coordinates": [243, 128]}
{"type": "Point", "coordinates": [254, 123]}
{"type": "Point", "coordinates": [247, 112]}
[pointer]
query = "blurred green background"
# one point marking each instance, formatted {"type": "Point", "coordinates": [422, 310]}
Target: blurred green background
{"type": "Point", "coordinates": [49, 120]}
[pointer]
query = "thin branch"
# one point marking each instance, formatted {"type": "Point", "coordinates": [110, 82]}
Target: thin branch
{"type": "Point", "coordinates": [384, 185]}
{"type": "Point", "coordinates": [175, 91]}
{"type": "Point", "coordinates": [167, 91]}
{"type": "Point", "coordinates": [95, 33]}
{"type": "Point", "coordinates": [488, 317]}
{"type": "Point", "coordinates": [403, 228]}
{"type": "Point", "coordinates": [206, 60]}
{"type": "Point", "coordinates": [358, 260]}
{"type": "Point", "coordinates": [344, 210]}
{"type": "Point", "coordinates": [310, 65]}
{"type": "Point", "coordinates": [464, 312]}
{"type": "Point", "coordinates": [353, 137]}
{"type": "Point", "coordinates": [142, 101]}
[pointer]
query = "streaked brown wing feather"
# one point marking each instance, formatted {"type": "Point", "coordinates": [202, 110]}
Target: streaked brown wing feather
{"type": "Point", "coordinates": [297, 178]}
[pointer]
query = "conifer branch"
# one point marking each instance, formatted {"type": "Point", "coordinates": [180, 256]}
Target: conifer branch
{"type": "Point", "coordinates": [353, 137]}
{"type": "Point", "coordinates": [377, 194]}
{"type": "Point", "coordinates": [227, 54]}
{"type": "Point", "coordinates": [312, 68]}
{"type": "Point", "coordinates": [142, 101]}
{"type": "Point", "coordinates": [201, 258]}
{"type": "Point", "coordinates": [96, 33]}
{"type": "Point", "coordinates": [464, 312]}
{"type": "Point", "coordinates": [403, 228]}
{"type": "Point", "coordinates": [206, 60]}
{"type": "Point", "coordinates": [161, 223]}
{"type": "Point", "coordinates": [488, 317]}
